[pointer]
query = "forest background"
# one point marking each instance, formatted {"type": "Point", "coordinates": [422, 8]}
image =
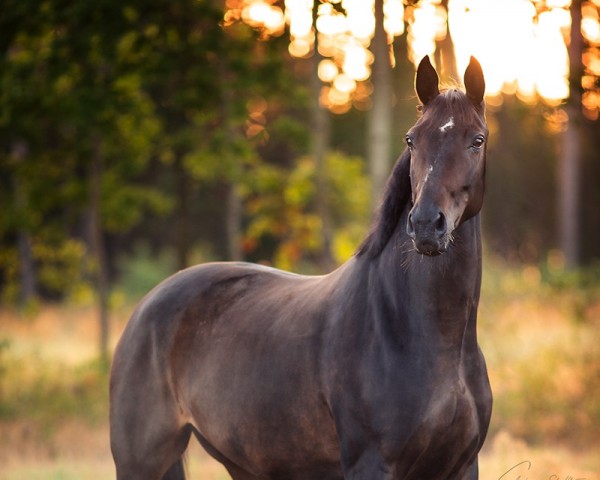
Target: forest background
{"type": "Point", "coordinates": [140, 137]}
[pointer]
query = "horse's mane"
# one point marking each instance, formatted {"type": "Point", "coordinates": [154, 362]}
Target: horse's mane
{"type": "Point", "coordinates": [396, 194]}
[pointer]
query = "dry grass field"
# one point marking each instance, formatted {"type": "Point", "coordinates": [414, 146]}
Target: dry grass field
{"type": "Point", "coordinates": [540, 335]}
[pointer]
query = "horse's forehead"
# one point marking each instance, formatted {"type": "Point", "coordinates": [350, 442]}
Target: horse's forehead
{"type": "Point", "coordinates": [445, 121]}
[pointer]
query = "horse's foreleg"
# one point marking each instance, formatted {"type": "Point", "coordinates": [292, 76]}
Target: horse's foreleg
{"type": "Point", "coordinates": [473, 471]}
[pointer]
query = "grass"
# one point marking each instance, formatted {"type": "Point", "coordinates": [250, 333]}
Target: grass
{"type": "Point", "coordinates": [541, 337]}
{"type": "Point", "coordinates": [539, 329]}
{"type": "Point", "coordinates": [505, 453]}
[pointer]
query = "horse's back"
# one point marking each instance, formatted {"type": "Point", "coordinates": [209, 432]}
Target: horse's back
{"type": "Point", "coordinates": [205, 290]}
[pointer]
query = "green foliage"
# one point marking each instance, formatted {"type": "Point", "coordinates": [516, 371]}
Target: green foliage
{"type": "Point", "coordinates": [9, 265]}
{"type": "Point", "coordinates": [282, 208]}
{"type": "Point", "coordinates": [115, 88]}
{"type": "Point", "coordinates": [59, 267]}
{"type": "Point", "coordinates": [350, 204]}
{"type": "Point", "coordinates": [143, 270]}
{"type": "Point", "coordinates": [70, 95]}
{"type": "Point", "coordinates": [125, 206]}
{"type": "Point", "coordinates": [175, 109]}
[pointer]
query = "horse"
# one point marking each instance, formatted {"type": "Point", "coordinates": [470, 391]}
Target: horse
{"type": "Point", "coordinates": [371, 372]}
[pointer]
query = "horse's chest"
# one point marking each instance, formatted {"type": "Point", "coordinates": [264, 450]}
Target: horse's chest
{"type": "Point", "coordinates": [451, 415]}
{"type": "Point", "coordinates": [445, 433]}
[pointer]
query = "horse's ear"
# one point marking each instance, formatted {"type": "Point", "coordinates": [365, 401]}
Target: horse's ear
{"type": "Point", "coordinates": [474, 81]}
{"type": "Point", "coordinates": [426, 83]}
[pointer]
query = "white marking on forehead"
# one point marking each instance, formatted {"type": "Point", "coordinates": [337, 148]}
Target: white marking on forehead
{"type": "Point", "coordinates": [447, 125]}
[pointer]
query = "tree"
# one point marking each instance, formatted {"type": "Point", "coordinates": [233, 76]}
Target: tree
{"type": "Point", "coordinates": [320, 128]}
{"type": "Point", "coordinates": [570, 155]}
{"type": "Point", "coordinates": [82, 110]}
{"type": "Point", "coordinates": [444, 55]}
{"type": "Point", "coordinates": [316, 39]}
{"type": "Point", "coordinates": [380, 117]}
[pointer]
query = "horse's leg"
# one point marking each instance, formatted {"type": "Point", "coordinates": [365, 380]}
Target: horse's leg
{"type": "Point", "coordinates": [148, 434]}
{"type": "Point", "coordinates": [146, 450]}
{"type": "Point", "coordinates": [472, 472]}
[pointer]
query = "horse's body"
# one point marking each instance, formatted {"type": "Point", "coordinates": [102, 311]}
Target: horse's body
{"type": "Point", "coordinates": [370, 372]}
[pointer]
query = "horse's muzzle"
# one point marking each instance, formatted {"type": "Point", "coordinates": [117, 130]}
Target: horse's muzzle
{"type": "Point", "coordinates": [428, 230]}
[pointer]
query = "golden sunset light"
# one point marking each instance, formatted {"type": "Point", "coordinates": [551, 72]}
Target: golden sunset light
{"type": "Point", "coordinates": [532, 59]}
{"type": "Point", "coordinates": [522, 45]}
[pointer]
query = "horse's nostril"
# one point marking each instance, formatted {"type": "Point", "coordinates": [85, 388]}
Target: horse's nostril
{"type": "Point", "coordinates": [410, 229]}
{"type": "Point", "coordinates": [440, 224]}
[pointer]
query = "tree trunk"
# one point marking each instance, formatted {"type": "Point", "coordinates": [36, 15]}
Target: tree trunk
{"type": "Point", "coordinates": [233, 223]}
{"type": "Point", "coordinates": [97, 247]}
{"type": "Point", "coordinates": [320, 129]}
{"type": "Point", "coordinates": [380, 118]}
{"type": "Point", "coordinates": [570, 155]}
{"type": "Point", "coordinates": [27, 291]}
{"type": "Point", "coordinates": [182, 220]}
{"type": "Point", "coordinates": [27, 280]}
{"type": "Point", "coordinates": [234, 207]}
{"type": "Point", "coordinates": [445, 57]}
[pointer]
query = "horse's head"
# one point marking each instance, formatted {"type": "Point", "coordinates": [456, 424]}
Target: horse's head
{"type": "Point", "coordinates": [447, 149]}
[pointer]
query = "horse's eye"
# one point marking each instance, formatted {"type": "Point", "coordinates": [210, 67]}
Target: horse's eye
{"type": "Point", "coordinates": [478, 142]}
{"type": "Point", "coordinates": [409, 142]}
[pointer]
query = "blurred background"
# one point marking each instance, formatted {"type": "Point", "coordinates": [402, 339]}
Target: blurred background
{"type": "Point", "coordinates": [140, 137]}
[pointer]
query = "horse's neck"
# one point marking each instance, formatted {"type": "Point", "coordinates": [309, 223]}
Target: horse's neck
{"type": "Point", "coordinates": [433, 297]}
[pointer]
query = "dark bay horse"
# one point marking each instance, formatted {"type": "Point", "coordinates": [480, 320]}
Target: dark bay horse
{"type": "Point", "coordinates": [371, 372]}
